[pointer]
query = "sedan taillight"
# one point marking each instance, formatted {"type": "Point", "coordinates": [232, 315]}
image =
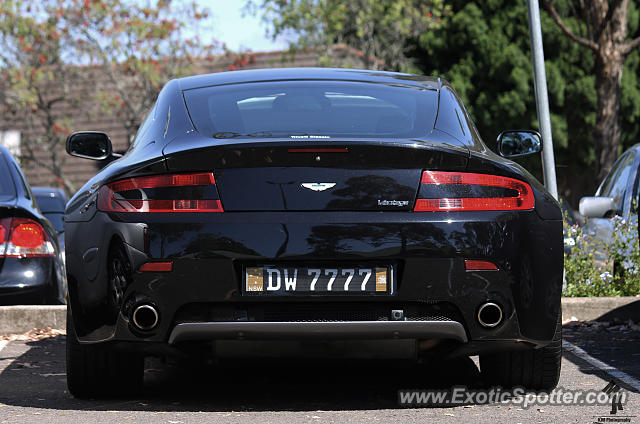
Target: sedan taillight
{"type": "Point", "coordinates": [464, 191]}
{"type": "Point", "coordinates": [24, 237]}
{"type": "Point", "coordinates": [194, 192]}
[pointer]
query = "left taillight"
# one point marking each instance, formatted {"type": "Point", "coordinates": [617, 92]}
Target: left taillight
{"type": "Point", "coordinates": [465, 191]}
{"type": "Point", "coordinates": [24, 237]}
{"type": "Point", "coordinates": [194, 192]}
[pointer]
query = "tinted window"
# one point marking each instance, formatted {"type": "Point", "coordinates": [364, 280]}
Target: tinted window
{"type": "Point", "coordinates": [7, 190]}
{"type": "Point", "coordinates": [321, 108]}
{"type": "Point", "coordinates": [56, 220]}
{"type": "Point", "coordinates": [615, 185]}
{"type": "Point", "coordinates": [47, 203]}
{"type": "Point", "coordinates": [142, 131]}
{"type": "Point", "coordinates": [607, 183]}
{"type": "Point", "coordinates": [25, 186]}
{"type": "Point", "coordinates": [450, 116]}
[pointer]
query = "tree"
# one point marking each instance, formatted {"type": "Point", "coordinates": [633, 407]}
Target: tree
{"type": "Point", "coordinates": [381, 30]}
{"type": "Point", "coordinates": [484, 52]}
{"type": "Point", "coordinates": [606, 28]}
{"type": "Point", "coordinates": [53, 54]}
{"type": "Point", "coordinates": [31, 58]}
{"type": "Point", "coordinates": [138, 47]}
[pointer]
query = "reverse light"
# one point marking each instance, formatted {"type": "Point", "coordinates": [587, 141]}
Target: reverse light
{"type": "Point", "coordinates": [195, 192]}
{"type": "Point", "coordinates": [464, 191]}
{"type": "Point", "coordinates": [24, 237]}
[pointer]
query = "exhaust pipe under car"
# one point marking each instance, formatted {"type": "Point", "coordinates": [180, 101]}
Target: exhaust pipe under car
{"type": "Point", "coordinates": [489, 315]}
{"type": "Point", "coordinates": [145, 317]}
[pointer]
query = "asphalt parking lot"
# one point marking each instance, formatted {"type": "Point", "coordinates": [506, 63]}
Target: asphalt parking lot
{"type": "Point", "coordinates": [33, 387]}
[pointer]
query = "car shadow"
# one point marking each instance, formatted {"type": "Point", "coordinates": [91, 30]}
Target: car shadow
{"type": "Point", "coordinates": [37, 379]}
{"type": "Point", "coordinates": [623, 313]}
{"type": "Point", "coordinates": [616, 348]}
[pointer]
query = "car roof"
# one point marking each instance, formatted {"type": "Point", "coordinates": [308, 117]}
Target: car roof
{"type": "Point", "coordinates": [288, 74]}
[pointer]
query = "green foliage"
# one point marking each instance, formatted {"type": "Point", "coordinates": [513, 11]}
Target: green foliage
{"type": "Point", "coordinates": [596, 268]}
{"type": "Point", "coordinates": [484, 51]}
{"type": "Point", "coordinates": [381, 30]}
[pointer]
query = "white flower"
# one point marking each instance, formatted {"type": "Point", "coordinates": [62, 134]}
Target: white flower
{"type": "Point", "coordinates": [606, 276]}
{"type": "Point", "coordinates": [630, 266]}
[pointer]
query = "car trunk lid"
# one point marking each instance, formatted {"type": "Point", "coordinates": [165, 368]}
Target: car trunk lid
{"type": "Point", "coordinates": [345, 175]}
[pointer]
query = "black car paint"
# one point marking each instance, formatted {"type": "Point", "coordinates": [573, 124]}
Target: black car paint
{"type": "Point", "coordinates": [46, 283]}
{"type": "Point", "coordinates": [209, 250]}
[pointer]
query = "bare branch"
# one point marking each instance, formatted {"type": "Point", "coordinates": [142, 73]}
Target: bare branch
{"type": "Point", "coordinates": [630, 46]}
{"type": "Point", "coordinates": [590, 44]}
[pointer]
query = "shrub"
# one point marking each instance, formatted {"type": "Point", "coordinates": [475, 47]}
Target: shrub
{"type": "Point", "coordinates": [596, 267]}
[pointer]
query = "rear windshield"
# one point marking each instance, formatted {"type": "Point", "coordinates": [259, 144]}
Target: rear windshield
{"type": "Point", "coordinates": [50, 203]}
{"type": "Point", "coordinates": [57, 220]}
{"type": "Point", "coordinates": [7, 190]}
{"type": "Point", "coordinates": [318, 109]}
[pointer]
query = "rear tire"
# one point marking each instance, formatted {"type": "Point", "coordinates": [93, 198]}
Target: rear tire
{"type": "Point", "coordinates": [100, 371]}
{"type": "Point", "coordinates": [533, 369]}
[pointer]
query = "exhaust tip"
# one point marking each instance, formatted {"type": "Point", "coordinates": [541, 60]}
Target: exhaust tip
{"type": "Point", "coordinates": [489, 315]}
{"type": "Point", "coordinates": [145, 317]}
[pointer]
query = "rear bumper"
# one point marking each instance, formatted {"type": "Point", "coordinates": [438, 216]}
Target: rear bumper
{"type": "Point", "coordinates": [369, 330]}
{"type": "Point", "coordinates": [25, 281]}
{"type": "Point", "coordinates": [202, 296]}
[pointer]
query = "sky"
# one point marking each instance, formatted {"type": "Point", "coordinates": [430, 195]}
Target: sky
{"type": "Point", "coordinates": [237, 31]}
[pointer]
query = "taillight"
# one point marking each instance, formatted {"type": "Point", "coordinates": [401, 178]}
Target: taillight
{"type": "Point", "coordinates": [4, 232]}
{"type": "Point", "coordinates": [22, 237]}
{"type": "Point", "coordinates": [195, 192]}
{"type": "Point", "coordinates": [464, 191]}
{"type": "Point", "coordinates": [157, 267]}
{"type": "Point", "coordinates": [473, 265]}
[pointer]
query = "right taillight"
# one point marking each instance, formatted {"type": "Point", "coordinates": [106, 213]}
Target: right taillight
{"type": "Point", "coordinates": [465, 191]}
{"type": "Point", "coordinates": [24, 237]}
{"type": "Point", "coordinates": [195, 192]}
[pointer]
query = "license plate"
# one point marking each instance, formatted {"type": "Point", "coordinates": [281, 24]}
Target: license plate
{"type": "Point", "coordinates": [286, 280]}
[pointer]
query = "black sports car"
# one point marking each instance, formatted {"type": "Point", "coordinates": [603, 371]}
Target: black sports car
{"type": "Point", "coordinates": [316, 205]}
{"type": "Point", "coordinates": [31, 264]}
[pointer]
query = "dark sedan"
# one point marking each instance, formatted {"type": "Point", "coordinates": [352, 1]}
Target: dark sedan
{"type": "Point", "coordinates": [52, 203]}
{"type": "Point", "coordinates": [314, 206]}
{"type": "Point", "coordinates": [31, 265]}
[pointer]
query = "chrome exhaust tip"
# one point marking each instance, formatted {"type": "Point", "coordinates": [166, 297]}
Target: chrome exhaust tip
{"type": "Point", "coordinates": [489, 315]}
{"type": "Point", "coordinates": [145, 317]}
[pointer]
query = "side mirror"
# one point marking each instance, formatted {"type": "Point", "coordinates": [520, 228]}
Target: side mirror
{"type": "Point", "coordinates": [597, 207]}
{"type": "Point", "coordinates": [512, 144]}
{"type": "Point", "coordinates": [89, 145]}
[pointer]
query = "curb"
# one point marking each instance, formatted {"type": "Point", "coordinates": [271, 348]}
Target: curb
{"type": "Point", "coordinates": [22, 318]}
{"type": "Point", "coordinates": [601, 308]}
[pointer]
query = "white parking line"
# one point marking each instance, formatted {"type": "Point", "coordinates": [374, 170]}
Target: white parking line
{"type": "Point", "coordinates": [612, 371]}
{"type": "Point", "coordinates": [3, 344]}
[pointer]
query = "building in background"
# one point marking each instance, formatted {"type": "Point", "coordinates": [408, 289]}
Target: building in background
{"type": "Point", "coordinates": [93, 117]}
